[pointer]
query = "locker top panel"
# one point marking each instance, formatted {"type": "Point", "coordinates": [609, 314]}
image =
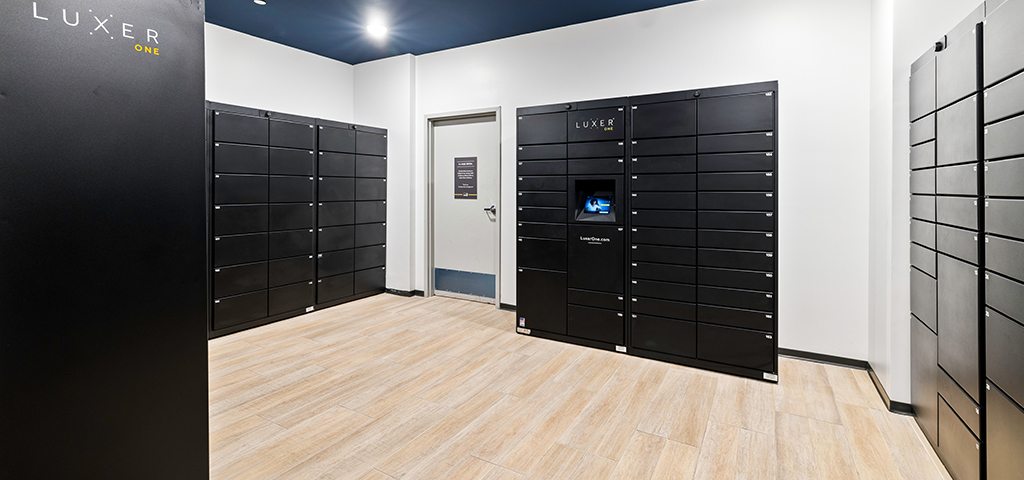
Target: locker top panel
{"type": "Point", "coordinates": [1003, 37]}
{"type": "Point", "coordinates": [235, 128]}
{"type": "Point", "coordinates": [596, 125]}
{"type": "Point", "coordinates": [570, 106]}
{"type": "Point", "coordinates": [761, 87]}
{"type": "Point", "coordinates": [352, 126]}
{"type": "Point", "coordinates": [754, 112]}
{"type": "Point", "coordinates": [541, 129]}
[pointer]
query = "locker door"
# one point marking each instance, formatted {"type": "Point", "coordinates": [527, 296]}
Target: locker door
{"type": "Point", "coordinates": [741, 113]}
{"type": "Point", "coordinates": [1005, 295]}
{"type": "Point", "coordinates": [334, 288]}
{"type": "Point", "coordinates": [922, 130]}
{"type": "Point", "coordinates": [541, 253]}
{"type": "Point", "coordinates": [232, 219]}
{"type": "Point", "coordinates": [922, 182]}
{"type": "Point", "coordinates": [336, 238]}
{"type": "Point", "coordinates": [613, 149]}
{"type": "Point", "coordinates": [337, 164]}
{"type": "Point", "coordinates": [922, 207]}
{"type": "Point", "coordinates": [664, 183]}
{"type": "Point", "coordinates": [751, 202]}
{"type": "Point", "coordinates": [734, 346]}
{"type": "Point", "coordinates": [663, 200]}
{"type": "Point", "coordinates": [924, 298]}
{"type": "Point", "coordinates": [764, 262]}
{"type": "Point", "coordinates": [664, 218]}
{"type": "Point", "coordinates": [596, 264]}
{"type": "Point", "coordinates": [371, 189]}
{"type": "Point", "coordinates": [369, 280]}
{"type": "Point", "coordinates": [228, 281]}
{"type": "Point", "coordinates": [596, 124]}
{"type": "Point", "coordinates": [922, 156]}
{"type": "Point", "coordinates": [736, 142]}
{"type": "Point", "coordinates": [1005, 178]}
{"type": "Point", "coordinates": [923, 259]}
{"type": "Point", "coordinates": [291, 270]}
{"type": "Point", "coordinates": [541, 300]}
{"type": "Point", "coordinates": [285, 161]}
{"type": "Point", "coordinates": [736, 317]}
{"type": "Point", "coordinates": [736, 240]}
{"type": "Point", "coordinates": [239, 189]}
{"type": "Point", "coordinates": [923, 377]}
{"type": "Point", "coordinates": [657, 254]}
{"type": "Point", "coordinates": [231, 311]}
{"type": "Point", "coordinates": [541, 230]}
{"type": "Point", "coordinates": [541, 152]}
{"type": "Point", "coordinates": [668, 119]}
{"type": "Point", "coordinates": [959, 447]}
{"type": "Point", "coordinates": [1003, 139]}
{"type": "Point", "coordinates": [674, 337]}
{"type": "Point", "coordinates": [541, 167]}
{"type": "Point", "coordinates": [1003, 38]}
{"type": "Point", "coordinates": [955, 70]}
{"type": "Point", "coordinates": [371, 167]}
{"type": "Point", "coordinates": [962, 244]}
{"type": "Point", "coordinates": [337, 189]}
{"type": "Point", "coordinates": [370, 234]}
{"type": "Point", "coordinates": [595, 324]}
{"type": "Point", "coordinates": [333, 139]}
{"type": "Point", "coordinates": [371, 212]}
{"type": "Point", "coordinates": [1005, 100]}
{"type": "Point", "coordinates": [1002, 217]}
{"type": "Point", "coordinates": [1005, 436]}
{"type": "Point", "coordinates": [666, 164]}
{"type": "Point", "coordinates": [665, 146]}
{"type": "Point", "coordinates": [542, 199]}
{"type": "Point", "coordinates": [251, 159]}
{"type": "Point", "coordinates": [336, 213]}
{"type": "Point", "coordinates": [291, 189]}
{"type": "Point", "coordinates": [759, 221]}
{"type": "Point", "coordinates": [290, 244]}
{"type": "Point", "coordinates": [292, 135]}
{"type": "Point", "coordinates": [731, 297]}
{"type": "Point", "coordinates": [676, 292]}
{"type": "Point", "coordinates": [586, 298]}
{"type": "Point", "coordinates": [736, 162]}
{"type": "Point", "coordinates": [665, 273]}
{"type": "Point", "coordinates": [956, 129]}
{"type": "Point", "coordinates": [922, 233]}
{"type": "Point", "coordinates": [293, 297]}
{"type": "Point", "coordinates": [546, 128]}
{"type": "Point", "coordinates": [957, 211]}
{"type": "Point", "coordinates": [958, 322]}
{"type": "Point", "coordinates": [717, 277]}
{"type": "Point", "coordinates": [922, 90]}
{"type": "Point", "coordinates": [291, 217]}
{"type": "Point", "coordinates": [664, 236]}
{"type": "Point", "coordinates": [235, 249]}
{"type": "Point", "coordinates": [234, 128]}
{"type": "Point", "coordinates": [369, 257]}
{"type": "Point", "coordinates": [368, 143]}
{"type": "Point", "coordinates": [664, 308]}
{"type": "Point", "coordinates": [597, 166]}
{"type": "Point", "coordinates": [736, 182]}
{"type": "Point", "coordinates": [335, 263]}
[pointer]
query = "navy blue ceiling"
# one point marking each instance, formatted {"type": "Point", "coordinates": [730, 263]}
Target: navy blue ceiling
{"type": "Point", "coordinates": [336, 28]}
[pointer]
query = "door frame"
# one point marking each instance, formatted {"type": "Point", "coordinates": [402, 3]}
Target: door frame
{"type": "Point", "coordinates": [428, 213]}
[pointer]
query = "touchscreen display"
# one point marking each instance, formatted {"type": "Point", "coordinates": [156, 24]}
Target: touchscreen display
{"type": "Point", "coordinates": [599, 205]}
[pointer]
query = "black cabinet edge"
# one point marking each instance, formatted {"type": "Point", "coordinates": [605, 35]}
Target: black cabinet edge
{"type": "Point", "coordinates": [225, 107]}
{"type": "Point", "coordinates": [255, 323]}
{"type": "Point", "coordinates": [507, 307]}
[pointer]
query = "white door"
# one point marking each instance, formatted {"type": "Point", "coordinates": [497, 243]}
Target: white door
{"type": "Point", "coordinates": [466, 165]}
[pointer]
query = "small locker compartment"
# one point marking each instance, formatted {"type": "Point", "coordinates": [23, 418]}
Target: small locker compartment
{"type": "Point", "coordinates": [541, 183]}
{"type": "Point", "coordinates": [228, 220]}
{"type": "Point", "coordinates": [542, 199]}
{"type": "Point", "coordinates": [1004, 356]}
{"type": "Point", "coordinates": [336, 213]}
{"type": "Point", "coordinates": [608, 301]}
{"type": "Point", "coordinates": [736, 240]}
{"type": "Point", "coordinates": [740, 260]}
{"type": "Point", "coordinates": [371, 167]}
{"type": "Point", "coordinates": [665, 218]}
{"type": "Point", "coordinates": [664, 290]}
{"type": "Point", "coordinates": [962, 244]}
{"type": "Point", "coordinates": [734, 346]}
{"type": "Point", "coordinates": [544, 128]}
{"type": "Point", "coordinates": [664, 308]}
{"type": "Point", "coordinates": [665, 273]}
{"type": "Point", "coordinates": [922, 89]}
{"type": "Point", "coordinates": [658, 254]}
{"type": "Point", "coordinates": [240, 159]}
{"type": "Point", "coordinates": [736, 162]}
{"type": "Point", "coordinates": [541, 253]}
{"type": "Point", "coordinates": [285, 161]}
{"type": "Point", "coordinates": [239, 189]}
{"type": "Point", "coordinates": [291, 217]}
{"type": "Point", "coordinates": [960, 449]}
{"type": "Point", "coordinates": [957, 399]}
{"type": "Point", "coordinates": [541, 152]}
{"type": "Point", "coordinates": [541, 230]}
{"type": "Point", "coordinates": [958, 322]}
{"type": "Point", "coordinates": [231, 311]}
{"type": "Point", "coordinates": [957, 127]}
{"type": "Point", "coordinates": [664, 183]}
{"type": "Point", "coordinates": [1005, 435]}
{"type": "Point", "coordinates": [1003, 38]}
{"type": "Point", "coordinates": [739, 142]}
{"type": "Point", "coordinates": [596, 125]}
{"type": "Point", "coordinates": [597, 166]}
{"type": "Point", "coordinates": [234, 128]}
{"type": "Point", "coordinates": [663, 200]}
{"type": "Point", "coordinates": [922, 207]}
{"type": "Point", "coordinates": [924, 372]}
{"type": "Point", "coordinates": [922, 182]}
{"type": "Point", "coordinates": [1005, 178]}
{"type": "Point", "coordinates": [336, 238]}
{"type": "Point", "coordinates": [292, 135]}
{"type": "Point", "coordinates": [292, 297]}
{"type": "Point", "coordinates": [956, 70]}
{"type": "Point", "coordinates": [235, 249]}
{"type": "Point", "coordinates": [337, 164]}
{"type": "Point", "coordinates": [337, 189]}
{"type": "Point", "coordinates": [923, 259]}
{"type": "Point", "coordinates": [730, 297]}
{"type": "Point", "coordinates": [371, 189]}
{"type": "Point", "coordinates": [665, 146]}
{"type": "Point", "coordinates": [371, 212]}
{"type": "Point", "coordinates": [736, 317]}
{"type": "Point", "coordinates": [758, 221]}
{"type": "Point", "coordinates": [369, 280]}
{"type": "Point", "coordinates": [335, 263]}
{"type": "Point", "coordinates": [922, 130]}
{"type": "Point", "coordinates": [1005, 295]}
{"type": "Point", "coordinates": [228, 281]}
{"type": "Point", "coordinates": [596, 258]}
{"type": "Point", "coordinates": [371, 234]}
{"type": "Point", "coordinates": [708, 182]}
{"type": "Point", "coordinates": [335, 139]}
{"type": "Point", "coordinates": [924, 298]}
{"type": "Point", "coordinates": [957, 211]}
{"type": "Point", "coordinates": [741, 279]}
{"type": "Point", "coordinates": [541, 214]}
{"type": "Point", "coordinates": [595, 324]}
{"type": "Point", "coordinates": [541, 304]}
{"type": "Point", "coordinates": [541, 167]}
{"type": "Point", "coordinates": [369, 257]}
{"type": "Point", "coordinates": [1005, 100]}
{"type": "Point", "coordinates": [923, 233]}
{"type": "Point", "coordinates": [674, 337]}
{"type": "Point", "coordinates": [614, 149]}
{"type": "Point", "coordinates": [334, 288]}
{"type": "Point", "coordinates": [751, 202]}
{"type": "Point", "coordinates": [368, 143]}
{"type": "Point", "coordinates": [291, 270]}
{"type": "Point", "coordinates": [291, 189]}
{"type": "Point", "coordinates": [664, 236]}
{"type": "Point", "coordinates": [922, 156]}
{"type": "Point", "coordinates": [1003, 139]}
{"type": "Point", "coordinates": [958, 180]}
{"type": "Point", "coordinates": [290, 244]}
{"type": "Point", "coordinates": [1003, 217]}
{"type": "Point", "coordinates": [754, 112]}
{"type": "Point", "coordinates": [667, 164]}
{"type": "Point", "coordinates": [668, 119]}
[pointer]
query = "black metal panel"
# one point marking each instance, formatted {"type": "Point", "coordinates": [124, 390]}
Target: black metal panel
{"type": "Point", "coordinates": [1005, 100]}
{"type": "Point", "coordinates": [290, 270]}
{"type": "Point", "coordinates": [292, 297]}
{"type": "Point", "coordinates": [369, 280]}
{"type": "Point", "coordinates": [541, 230]}
{"type": "Point", "coordinates": [233, 128]}
{"type": "Point", "coordinates": [922, 130]}
{"type": "Point", "coordinates": [736, 162]}
{"type": "Point", "coordinates": [542, 253]}
{"type": "Point", "coordinates": [235, 249]}
{"type": "Point", "coordinates": [337, 164]}
{"type": "Point", "coordinates": [597, 166]}
{"type": "Point", "coordinates": [541, 167]}
{"type": "Point", "coordinates": [335, 263]}
{"type": "Point", "coordinates": [291, 216]}
{"type": "Point", "coordinates": [957, 131]}
{"type": "Point", "coordinates": [1004, 139]}
{"type": "Point", "coordinates": [734, 346]}
{"type": "Point", "coordinates": [663, 200]}
{"type": "Point", "coordinates": [285, 161]}
{"type": "Point", "coordinates": [742, 279]}
{"type": "Point", "coordinates": [968, 411]}
{"type": "Point", "coordinates": [662, 272]}
{"type": "Point", "coordinates": [542, 214]}
{"type": "Point", "coordinates": [542, 199]}
{"type": "Point", "coordinates": [596, 324]}
{"type": "Point", "coordinates": [336, 213]}
{"type": "Point", "coordinates": [239, 309]}
{"type": "Point", "coordinates": [922, 156]}
{"type": "Point", "coordinates": [742, 113]}
{"type": "Point", "coordinates": [336, 189]}
{"type": "Point", "coordinates": [1004, 355]}
{"type": "Point", "coordinates": [239, 189]}
{"type": "Point", "coordinates": [736, 182]}
{"type": "Point", "coordinates": [665, 218]}
{"type": "Point", "coordinates": [596, 124]}
{"type": "Point", "coordinates": [229, 158]}
{"type": "Point", "coordinates": [665, 146]}
{"type": "Point", "coordinates": [369, 257]}
{"type": "Point", "coordinates": [924, 298]}
{"type": "Point", "coordinates": [368, 143]}
{"type": "Point", "coordinates": [736, 317]}
{"type": "Point", "coordinates": [1005, 178]}
{"type": "Point", "coordinates": [755, 202]}
{"type": "Point", "coordinates": [962, 244]}
{"type": "Point", "coordinates": [673, 337]}
{"type": "Point", "coordinates": [923, 233]}
{"type": "Point", "coordinates": [541, 300]}
{"type": "Point", "coordinates": [290, 244]}
{"type": "Point", "coordinates": [923, 182]}
{"type": "Point", "coordinates": [1003, 217]}
{"type": "Point", "coordinates": [664, 290]}
{"type": "Point", "coordinates": [292, 135]}
{"type": "Point", "coordinates": [334, 288]}
{"type": "Point", "coordinates": [958, 180]}
{"type": "Point", "coordinates": [670, 255]}
{"type": "Point", "coordinates": [960, 449]}
{"type": "Point", "coordinates": [371, 167]}
{"type": "Point", "coordinates": [740, 260]}
{"type": "Point", "coordinates": [922, 207]}
{"type": "Point", "coordinates": [1005, 256]}
{"type": "Point", "coordinates": [1005, 295]}
{"type": "Point", "coordinates": [736, 240]}
{"type": "Point", "coordinates": [588, 298]}
{"type": "Point", "coordinates": [371, 234]}
{"type": "Point", "coordinates": [758, 221]}
{"type": "Point", "coordinates": [957, 211]}
{"type": "Point", "coordinates": [664, 308]}
{"type": "Point", "coordinates": [291, 189]}
{"type": "Point", "coordinates": [1005, 435]}
{"type": "Point", "coordinates": [371, 189]}
{"type": "Point", "coordinates": [924, 372]}
{"type": "Point", "coordinates": [956, 70]}
{"type": "Point", "coordinates": [923, 259]}
{"type": "Point", "coordinates": [737, 142]}
{"type": "Point", "coordinates": [614, 149]}
{"type": "Point", "coordinates": [1003, 38]}
{"type": "Point", "coordinates": [541, 152]}
{"type": "Point", "coordinates": [669, 119]}
{"type": "Point", "coordinates": [371, 212]}
{"type": "Point", "coordinates": [668, 164]}
{"type": "Point", "coordinates": [664, 236]}
{"type": "Point", "coordinates": [337, 139]}
{"type": "Point", "coordinates": [541, 183]}
{"type": "Point", "coordinates": [546, 128]}
{"type": "Point", "coordinates": [730, 297]}
{"type": "Point", "coordinates": [958, 322]}
{"type": "Point", "coordinates": [922, 90]}
{"type": "Point", "coordinates": [664, 183]}
{"type": "Point", "coordinates": [235, 219]}
{"type": "Point", "coordinates": [595, 258]}
{"type": "Point", "coordinates": [336, 238]}
{"type": "Point", "coordinates": [230, 281]}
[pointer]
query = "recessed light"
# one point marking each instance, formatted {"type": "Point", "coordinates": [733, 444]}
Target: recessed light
{"type": "Point", "coordinates": [259, 2]}
{"type": "Point", "coordinates": [377, 30]}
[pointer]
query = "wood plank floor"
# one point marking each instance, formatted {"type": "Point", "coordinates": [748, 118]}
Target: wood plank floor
{"type": "Point", "coordinates": [391, 387]}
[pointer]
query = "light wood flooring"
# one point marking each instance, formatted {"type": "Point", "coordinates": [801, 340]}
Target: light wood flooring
{"type": "Point", "coordinates": [391, 387]}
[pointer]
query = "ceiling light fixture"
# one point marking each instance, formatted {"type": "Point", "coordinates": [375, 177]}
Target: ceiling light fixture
{"type": "Point", "coordinates": [377, 30]}
{"type": "Point", "coordinates": [259, 2]}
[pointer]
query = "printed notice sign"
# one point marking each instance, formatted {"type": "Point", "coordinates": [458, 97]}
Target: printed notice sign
{"type": "Point", "coordinates": [465, 177]}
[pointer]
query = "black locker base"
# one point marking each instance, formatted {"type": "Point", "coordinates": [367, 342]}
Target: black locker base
{"type": "Point", "coordinates": [285, 316]}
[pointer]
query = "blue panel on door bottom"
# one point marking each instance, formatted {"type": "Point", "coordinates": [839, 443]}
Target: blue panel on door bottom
{"type": "Point", "coordinates": [466, 283]}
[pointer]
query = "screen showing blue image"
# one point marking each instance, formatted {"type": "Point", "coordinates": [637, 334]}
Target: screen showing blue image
{"type": "Point", "coordinates": [599, 205]}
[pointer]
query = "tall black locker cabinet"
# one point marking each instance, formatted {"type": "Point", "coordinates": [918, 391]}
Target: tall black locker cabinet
{"type": "Point", "coordinates": [103, 361]}
{"type": "Point", "coordinates": [298, 215]}
{"type": "Point", "coordinates": [967, 242]}
{"type": "Point", "coordinates": [680, 264]}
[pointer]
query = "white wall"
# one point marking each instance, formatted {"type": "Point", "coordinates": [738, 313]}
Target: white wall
{"type": "Point", "coordinates": [252, 72]}
{"type": "Point", "coordinates": [819, 53]}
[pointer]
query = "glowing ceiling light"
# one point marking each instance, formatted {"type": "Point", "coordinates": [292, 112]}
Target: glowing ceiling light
{"type": "Point", "coordinates": [377, 30]}
{"type": "Point", "coordinates": [259, 2]}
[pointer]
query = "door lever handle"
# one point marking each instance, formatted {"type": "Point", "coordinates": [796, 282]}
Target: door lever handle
{"type": "Point", "coordinates": [493, 209]}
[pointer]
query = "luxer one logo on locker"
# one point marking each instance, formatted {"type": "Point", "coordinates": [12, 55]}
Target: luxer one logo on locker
{"type": "Point", "coordinates": [605, 124]}
{"type": "Point", "coordinates": [145, 40]}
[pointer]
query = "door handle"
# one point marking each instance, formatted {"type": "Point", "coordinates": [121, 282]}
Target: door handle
{"type": "Point", "coordinates": [493, 209]}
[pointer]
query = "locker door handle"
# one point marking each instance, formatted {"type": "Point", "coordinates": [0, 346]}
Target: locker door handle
{"type": "Point", "coordinates": [493, 209]}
